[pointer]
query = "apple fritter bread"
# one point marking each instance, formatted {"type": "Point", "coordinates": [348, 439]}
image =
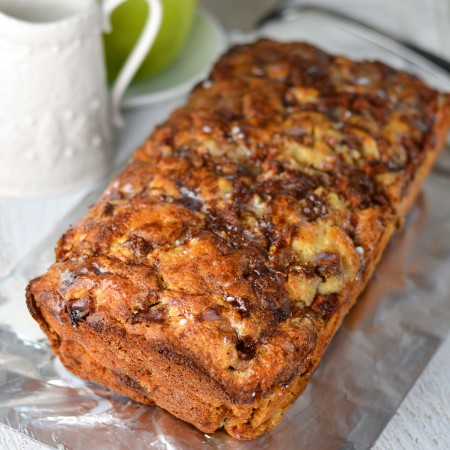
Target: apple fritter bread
{"type": "Point", "coordinates": [215, 269]}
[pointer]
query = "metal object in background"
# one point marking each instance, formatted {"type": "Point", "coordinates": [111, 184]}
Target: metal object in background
{"type": "Point", "coordinates": [255, 13]}
{"type": "Point", "coordinates": [285, 11]}
{"type": "Point", "coordinates": [250, 11]}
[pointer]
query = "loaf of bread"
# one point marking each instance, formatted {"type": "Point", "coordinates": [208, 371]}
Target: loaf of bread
{"type": "Point", "coordinates": [216, 268]}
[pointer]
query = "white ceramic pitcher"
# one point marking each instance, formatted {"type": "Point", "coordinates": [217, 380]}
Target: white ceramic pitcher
{"type": "Point", "coordinates": [56, 113]}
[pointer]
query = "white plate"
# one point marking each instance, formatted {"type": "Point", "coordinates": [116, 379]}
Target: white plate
{"type": "Point", "coordinates": [205, 43]}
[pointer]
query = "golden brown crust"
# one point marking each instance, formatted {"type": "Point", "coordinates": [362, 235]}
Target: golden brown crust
{"type": "Point", "coordinates": [216, 268]}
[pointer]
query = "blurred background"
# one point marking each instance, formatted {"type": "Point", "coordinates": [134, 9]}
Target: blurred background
{"type": "Point", "coordinates": [425, 22]}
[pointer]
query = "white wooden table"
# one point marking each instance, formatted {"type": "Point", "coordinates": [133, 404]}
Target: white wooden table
{"type": "Point", "coordinates": [423, 419]}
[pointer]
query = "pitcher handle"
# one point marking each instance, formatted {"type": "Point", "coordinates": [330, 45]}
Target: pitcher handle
{"type": "Point", "coordinates": [136, 56]}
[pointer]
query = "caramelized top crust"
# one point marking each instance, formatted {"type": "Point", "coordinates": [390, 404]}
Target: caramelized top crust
{"type": "Point", "coordinates": [239, 226]}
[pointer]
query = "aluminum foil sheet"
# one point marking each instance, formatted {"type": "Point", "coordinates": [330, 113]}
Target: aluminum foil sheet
{"type": "Point", "coordinates": [381, 349]}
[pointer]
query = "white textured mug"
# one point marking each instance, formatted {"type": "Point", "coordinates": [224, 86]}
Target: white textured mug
{"type": "Point", "coordinates": [56, 114]}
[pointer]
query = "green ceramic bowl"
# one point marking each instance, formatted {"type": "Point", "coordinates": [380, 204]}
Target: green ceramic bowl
{"type": "Point", "coordinates": [127, 22]}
